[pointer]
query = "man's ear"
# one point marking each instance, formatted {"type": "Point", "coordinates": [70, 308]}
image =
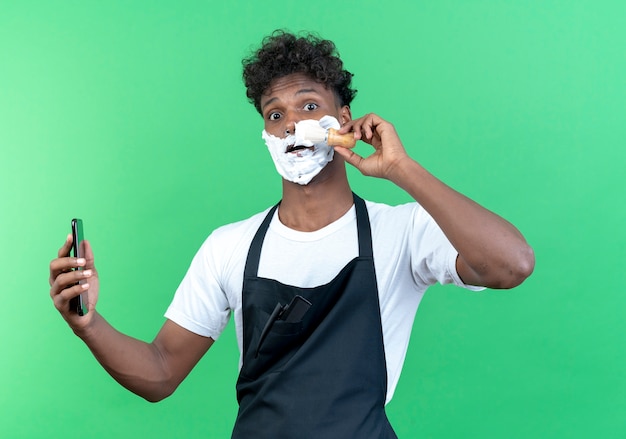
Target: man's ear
{"type": "Point", "coordinates": [346, 114]}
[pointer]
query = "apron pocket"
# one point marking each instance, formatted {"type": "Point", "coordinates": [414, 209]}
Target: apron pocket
{"type": "Point", "coordinates": [280, 342]}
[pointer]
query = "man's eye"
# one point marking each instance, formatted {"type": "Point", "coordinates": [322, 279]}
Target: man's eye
{"type": "Point", "coordinates": [311, 107]}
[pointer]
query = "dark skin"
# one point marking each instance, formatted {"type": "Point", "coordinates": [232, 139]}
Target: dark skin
{"type": "Point", "coordinates": [151, 370]}
{"type": "Point", "coordinates": [492, 252]}
{"type": "Point", "coordinates": [328, 196]}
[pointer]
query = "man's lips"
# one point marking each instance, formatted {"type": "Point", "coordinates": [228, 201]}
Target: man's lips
{"type": "Point", "coordinates": [292, 148]}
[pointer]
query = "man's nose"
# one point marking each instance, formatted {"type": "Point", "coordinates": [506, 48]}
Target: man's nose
{"type": "Point", "coordinates": [290, 123]}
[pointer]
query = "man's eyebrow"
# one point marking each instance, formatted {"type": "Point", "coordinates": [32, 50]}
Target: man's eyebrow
{"type": "Point", "coordinates": [306, 90]}
{"type": "Point", "coordinates": [301, 91]}
{"type": "Point", "coordinates": [268, 102]}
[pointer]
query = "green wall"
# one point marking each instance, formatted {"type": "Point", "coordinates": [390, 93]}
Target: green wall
{"type": "Point", "coordinates": [132, 115]}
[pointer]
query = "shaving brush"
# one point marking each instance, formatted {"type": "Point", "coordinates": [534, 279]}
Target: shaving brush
{"type": "Point", "coordinates": [312, 131]}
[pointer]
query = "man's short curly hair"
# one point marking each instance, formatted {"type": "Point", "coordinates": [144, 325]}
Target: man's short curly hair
{"type": "Point", "coordinates": [283, 53]}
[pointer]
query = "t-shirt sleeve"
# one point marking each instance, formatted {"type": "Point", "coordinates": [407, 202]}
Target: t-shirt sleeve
{"type": "Point", "coordinates": [200, 304]}
{"type": "Point", "coordinates": [433, 256]}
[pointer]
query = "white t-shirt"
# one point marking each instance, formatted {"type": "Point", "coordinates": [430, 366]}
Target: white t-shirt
{"type": "Point", "coordinates": [410, 253]}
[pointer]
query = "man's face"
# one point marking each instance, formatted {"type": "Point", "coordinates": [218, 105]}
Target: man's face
{"type": "Point", "coordinates": [289, 100]}
{"type": "Point", "coordinates": [297, 97]}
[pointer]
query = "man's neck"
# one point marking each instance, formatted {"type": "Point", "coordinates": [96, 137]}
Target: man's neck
{"type": "Point", "coordinates": [314, 206]}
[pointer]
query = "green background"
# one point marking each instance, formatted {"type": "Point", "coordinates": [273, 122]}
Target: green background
{"type": "Point", "coordinates": [133, 116]}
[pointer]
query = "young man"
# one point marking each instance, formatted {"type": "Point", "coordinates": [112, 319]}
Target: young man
{"type": "Point", "coordinates": [323, 287]}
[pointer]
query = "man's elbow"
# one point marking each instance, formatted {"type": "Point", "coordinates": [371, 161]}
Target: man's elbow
{"type": "Point", "coordinates": [155, 398]}
{"type": "Point", "coordinates": [157, 395]}
{"type": "Point", "coordinates": [518, 269]}
{"type": "Point", "coordinates": [154, 391]}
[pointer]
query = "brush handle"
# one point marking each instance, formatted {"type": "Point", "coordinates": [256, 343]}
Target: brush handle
{"type": "Point", "coordinates": [346, 140]}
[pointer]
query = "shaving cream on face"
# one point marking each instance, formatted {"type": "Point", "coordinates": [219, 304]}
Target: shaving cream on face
{"type": "Point", "coordinates": [302, 165]}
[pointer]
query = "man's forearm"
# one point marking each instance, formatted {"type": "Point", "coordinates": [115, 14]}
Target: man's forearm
{"type": "Point", "coordinates": [133, 363]}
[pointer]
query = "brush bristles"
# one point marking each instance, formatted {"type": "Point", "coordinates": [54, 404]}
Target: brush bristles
{"type": "Point", "coordinates": [310, 132]}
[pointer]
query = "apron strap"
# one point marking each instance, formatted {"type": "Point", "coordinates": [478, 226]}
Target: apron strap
{"type": "Point", "coordinates": [363, 227]}
{"type": "Point", "coordinates": [254, 253]}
